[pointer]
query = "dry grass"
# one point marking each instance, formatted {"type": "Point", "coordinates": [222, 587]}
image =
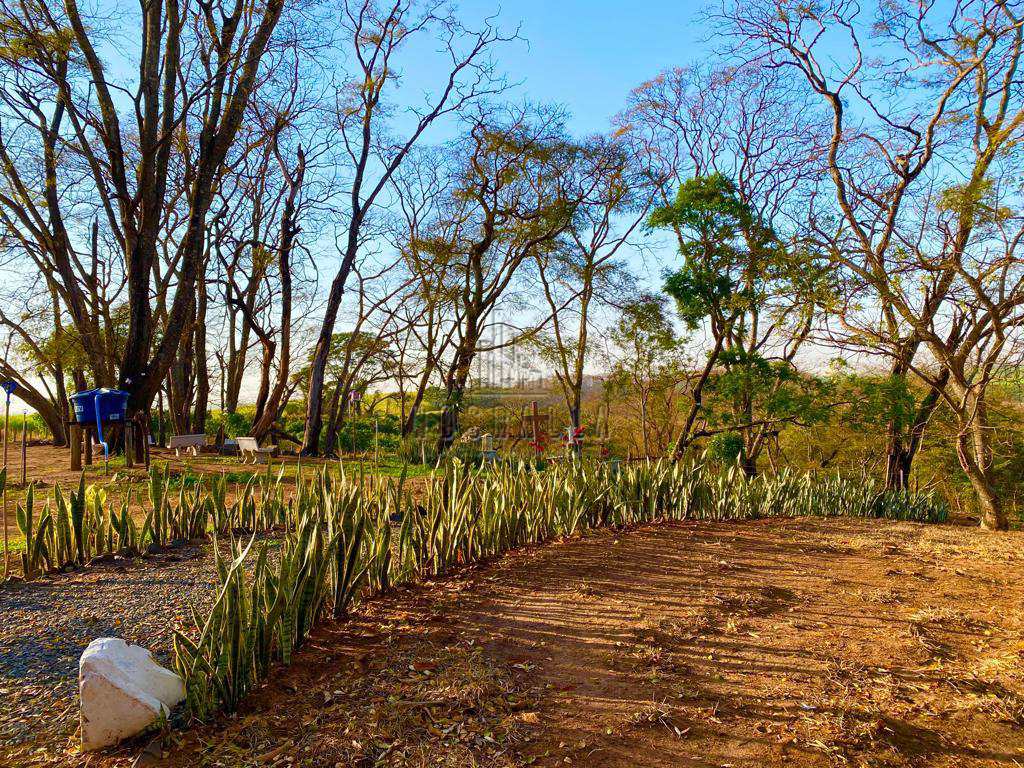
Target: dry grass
{"type": "Point", "coordinates": [884, 596]}
{"type": "Point", "coordinates": [1008, 707]}
{"type": "Point", "coordinates": [935, 629]}
{"type": "Point", "coordinates": [658, 715]}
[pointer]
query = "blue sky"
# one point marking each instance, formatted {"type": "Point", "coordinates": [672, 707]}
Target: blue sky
{"type": "Point", "coordinates": [584, 55]}
{"type": "Point", "coordinates": [588, 54]}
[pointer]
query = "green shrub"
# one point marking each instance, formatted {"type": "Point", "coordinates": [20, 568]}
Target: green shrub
{"type": "Point", "coordinates": [356, 434]}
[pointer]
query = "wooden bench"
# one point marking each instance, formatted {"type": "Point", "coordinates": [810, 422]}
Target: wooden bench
{"type": "Point", "coordinates": [191, 443]}
{"type": "Point", "coordinates": [250, 448]}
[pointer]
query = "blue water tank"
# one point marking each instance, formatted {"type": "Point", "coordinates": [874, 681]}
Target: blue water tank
{"type": "Point", "coordinates": [105, 404]}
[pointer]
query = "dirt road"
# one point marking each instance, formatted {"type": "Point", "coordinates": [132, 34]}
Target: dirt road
{"type": "Point", "coordinates": [771, 643]}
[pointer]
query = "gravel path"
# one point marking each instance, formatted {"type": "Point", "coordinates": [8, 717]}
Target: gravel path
{"type": "Point", "coordinates": [45, 625]}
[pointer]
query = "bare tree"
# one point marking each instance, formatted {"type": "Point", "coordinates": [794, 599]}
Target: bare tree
{"type": "Point", "coordinates": [428, 308]}
{"type": "Point", "coordinates": [512, 196]}
{"type": "Point", "coordinates": [363, 355]}
{"type": "Point", "coordinates": [376, 36]}
{"type": "Point", "coordinates": [934, 116]}
{"type": "Point", "coordinates": [587, 271]}
{"type": "Point", "coordinates": [198, 67]}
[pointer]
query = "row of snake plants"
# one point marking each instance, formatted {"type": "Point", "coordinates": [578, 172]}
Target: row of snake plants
{"type": "Point", "coordinates": [72, 528]}
{"type": "Point", "coordinates": [345, 540]}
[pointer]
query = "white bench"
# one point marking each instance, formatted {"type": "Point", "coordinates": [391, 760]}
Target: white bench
{"type": "Point", "coordinates": [251, 449]}
{"type": "Point", "coordinates": [191, 443]}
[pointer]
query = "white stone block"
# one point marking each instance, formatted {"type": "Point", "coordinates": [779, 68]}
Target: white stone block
{"type": "Point", "coordinates": [122, 691]}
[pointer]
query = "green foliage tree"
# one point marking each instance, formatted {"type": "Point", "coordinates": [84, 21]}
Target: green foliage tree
{"type": "Point", "coordinates": [647, 369]}
{"type": "Point", "coordinates": [756, 296]}
{"type": "Point", "coordinates": [357, 361]}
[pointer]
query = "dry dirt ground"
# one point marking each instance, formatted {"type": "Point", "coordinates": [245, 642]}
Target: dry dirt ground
{"type": "Point", "coordinates": [768, 643]}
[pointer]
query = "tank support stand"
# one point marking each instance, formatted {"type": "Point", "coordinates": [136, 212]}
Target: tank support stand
{"type": "Point", "coordinates": [136, 445]}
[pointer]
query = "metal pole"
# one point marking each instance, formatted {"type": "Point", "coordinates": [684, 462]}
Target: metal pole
{"type": "Point", "coordinates": [24, 449]}
{"type": "Point", "coordinates": [536, 429]}
{"type": "Point", "coordinates": [7, 548]}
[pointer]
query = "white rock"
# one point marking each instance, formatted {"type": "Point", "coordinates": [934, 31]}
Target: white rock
{"type": "Point", "coordinates": [123, 691]}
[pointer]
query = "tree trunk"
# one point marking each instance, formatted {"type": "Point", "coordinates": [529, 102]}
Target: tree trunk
{"type": "Point", "coordinates": [234, 367]}
{"type": "Point", "coordinates": [458, 378]}
{"type": "Point", "coordinates": [335, 417]}
{"type": "Point", "coordinates": [974, 451]}
{"type": "Point", "coordinates": [143, 366]}
{"type": "Point", "coordinates": [161, 434]}
{"type": "Point", "coordinates": [318, 370]}
{"type": "Point", "coordinates": [643, 423]}
{"type": "Point", "coordinates": [575, 423]}
{"type": "Point", "coordinates": [271, 400]}
{"type": "Point", "coordinates": [62, 404]}
{"type": "Point", "coordinates": [993, 516]}
{"type": "Point", "coordinates": [315, 390]}
{"type": "Point", "coordinates": [202, 368]}
{"type": "Point", "coordinates": [576, 381]}
{"type": "Point", "coordinates": [266, 367]}
{"type": "Point", "coordinates": [181, 382]}
{"type": "Point", "coordinates": [898, 462]}
{"type": "Point", "coordinates": [238, 350]}
{"type": "Point", "coordinates": [901, 450]}
{"type": "Point", "coordinates": [409, 425]}
{"type": "Point", "coordinates": [748, 459]}
{"type": "Point", "coordinates": [171, 405]}
{"type": "Point", "coordinates": [748, 463]}
{"type": "Point", "coordinates": [697, 400]}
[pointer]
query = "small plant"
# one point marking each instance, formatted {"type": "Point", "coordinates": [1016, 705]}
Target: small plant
{"type": "Point", "coordinates": [36, 556]}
